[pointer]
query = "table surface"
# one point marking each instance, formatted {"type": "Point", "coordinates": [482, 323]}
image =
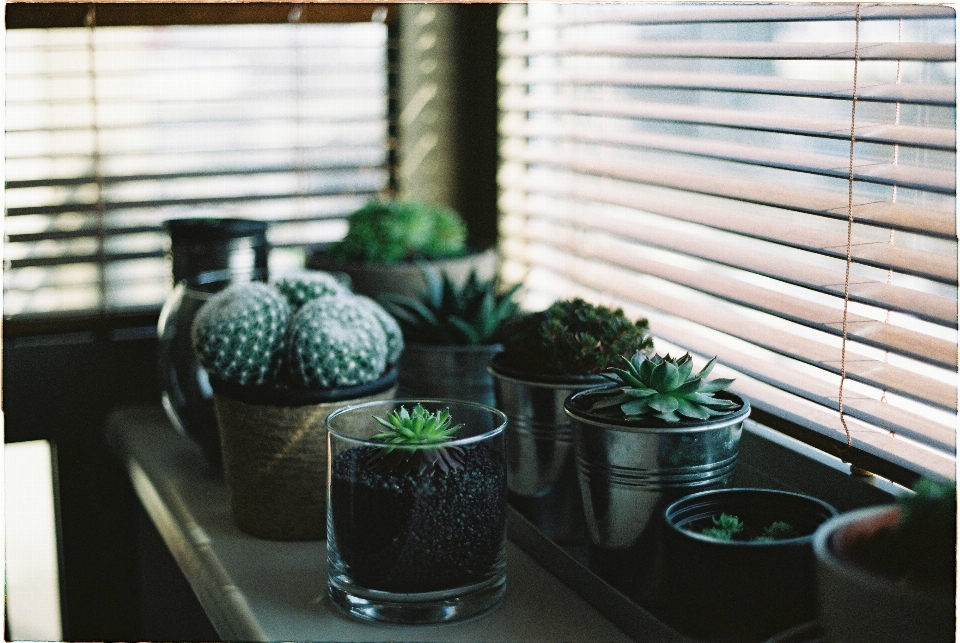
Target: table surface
{"type": "Point", "coordinates": [261, 590]}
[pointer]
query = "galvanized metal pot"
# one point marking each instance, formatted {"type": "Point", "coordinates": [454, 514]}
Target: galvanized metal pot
{"type": "Point", "coordinates": [448, 372]}
{"type": "Point", "coordinates": [629, 472]}
{"type": "Point", "coordinates": [541, 476]}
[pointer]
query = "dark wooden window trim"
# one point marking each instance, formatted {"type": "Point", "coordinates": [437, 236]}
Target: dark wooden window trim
{"type": "Point", "coordinates": [44, 15]}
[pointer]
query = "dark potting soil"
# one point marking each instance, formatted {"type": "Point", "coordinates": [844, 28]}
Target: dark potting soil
{"type": "Point", "coordinates": [419, 533]}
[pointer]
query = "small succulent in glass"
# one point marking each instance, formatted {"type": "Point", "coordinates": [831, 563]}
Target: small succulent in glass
{"type": "Point", "coordinates": [663, 388]}
{"type": "Point", "coordinates": [416, 442]}
{"type": "Point", "coordinates": [449, 315]}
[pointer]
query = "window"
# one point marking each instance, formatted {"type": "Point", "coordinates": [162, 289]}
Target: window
{"type": "Point", "coordinates": [111, 130]}
{"type": "Point", "coordinates": [694, 165]}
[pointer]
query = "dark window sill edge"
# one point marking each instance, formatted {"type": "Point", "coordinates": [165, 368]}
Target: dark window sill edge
{"type": "Point", "coordinates": [771, 457]}
{"type": "Point", "coordinates": [139, 323]}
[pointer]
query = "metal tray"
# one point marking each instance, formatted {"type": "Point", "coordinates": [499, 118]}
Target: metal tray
{"type": "Point", "coordinates": [569, 565]}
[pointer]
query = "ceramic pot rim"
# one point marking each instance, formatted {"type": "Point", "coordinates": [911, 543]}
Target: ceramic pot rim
{"type": "Point", "coordinates": [825, 550]}
{"type": "Point", "coordinates": [810, 501]}
{"type": "Point", "coordinates": [273, 396]}
{"type": "Point", "coordinates": [411, 402]}
{"type": "Point", "coordinates": [570, 406]}
{"type": "Point", "coordinates": [455, 348]}
{"type": "Point", "coordinates": [215, 227]}
{"type": "Point", "coordinates": [320, 261]}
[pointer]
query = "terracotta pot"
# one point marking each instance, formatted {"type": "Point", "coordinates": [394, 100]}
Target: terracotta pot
{"type": "Point", "coordinates": [857, 604]}
{"type": "Point", "coordinates": [406, 278]}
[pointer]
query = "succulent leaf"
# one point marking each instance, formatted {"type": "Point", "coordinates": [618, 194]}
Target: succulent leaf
{"type": "Point", "coordinates": [416, 442]}
{"type": "Point", "coordinates": [446, 314]}
{"type": "Point", "coordinates": [663, 388]}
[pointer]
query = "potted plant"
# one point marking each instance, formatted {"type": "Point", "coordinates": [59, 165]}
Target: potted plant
{"type": "Point", "coordinates": [547, 356]}
{"type": "Point", "coordinates": [280, 358]}
{"type": "Point", "coordinates": [657, 433]}
{"type": "Point", "coordinates": [889, 573]}
{"type": "Point", "coordinates": [738, 563]}
{"type": "Point", "coordinates": [416, 510]}
{"type": "Point", "coordinates": [386, 238]}
{"type": "Point", "coordinates": [450, 335]}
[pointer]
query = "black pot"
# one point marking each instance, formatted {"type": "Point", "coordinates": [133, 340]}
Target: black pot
{"type": "Point", "coordinates": [740, 590]}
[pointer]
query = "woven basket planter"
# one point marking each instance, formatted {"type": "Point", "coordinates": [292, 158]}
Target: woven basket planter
{"type": "Point", "coordinates": [275, 454]}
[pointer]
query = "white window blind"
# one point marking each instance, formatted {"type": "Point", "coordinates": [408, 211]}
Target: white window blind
{"type": "Point", "coordinates": [110, 131]}
{"type": "Point", "coordinates": [693, 164]}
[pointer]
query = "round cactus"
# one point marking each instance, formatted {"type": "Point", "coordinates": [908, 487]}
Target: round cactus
{"type": "Point", "coordinates": [238, 334]}
{"type": "Point", "coordinates": [335, 341]}
{"type": "Point", "coordinates": [302, 286]}
{"type": "Point", "coordinates": [390, 327]}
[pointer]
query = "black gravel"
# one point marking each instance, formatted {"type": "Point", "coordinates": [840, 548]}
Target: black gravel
{"type": "Point", "coordinates": [410, 533]}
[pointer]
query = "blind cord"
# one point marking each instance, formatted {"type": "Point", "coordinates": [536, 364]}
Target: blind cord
{"type": "Point", "coordinates": [90, 20]}
{"type": "Point", "coordinates": [846, 280]}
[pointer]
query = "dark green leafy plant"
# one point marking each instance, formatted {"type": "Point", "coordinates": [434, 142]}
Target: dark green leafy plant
{"type": "Point", "coordinates": [416, 442]}
{"type": "Point", "coordinates": [779, 530]}
{"type": "Point", "coordinates": [921, 548]}
{"type": "Point", "coordinates": [572, 337]}
{"type": "Point", "coordinates": [391, 231]}
{"type": "Point", "coordinates": [662, 388]}
{"type": "Point", "coordinates": [448, 315]}
{"type": "Point", "coordinates": [726, 527]}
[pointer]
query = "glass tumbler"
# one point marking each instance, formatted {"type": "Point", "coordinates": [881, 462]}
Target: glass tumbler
{"type": "Point", "coordinates": [410, 540]}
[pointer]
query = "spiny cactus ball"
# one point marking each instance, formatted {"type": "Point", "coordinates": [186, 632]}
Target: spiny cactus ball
{"type": "Point", "coordinates": [302, 286]}
{"type": "Point", "coordinates": [335, 341]}
{"type": "Point", "coordinates": [390, 327]}
{"type": "Point", "coordinates": [239, 333]}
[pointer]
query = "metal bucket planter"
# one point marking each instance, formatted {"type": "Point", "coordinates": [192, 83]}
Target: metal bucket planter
{"type": "Point", "coordinates": [274, 445]}
{"type": "Point", "coordinates": [541, 476]}
{"type": "Point", "coordinates": [448, 372]}
{"type": "Point", "coordinates": [629, 472]}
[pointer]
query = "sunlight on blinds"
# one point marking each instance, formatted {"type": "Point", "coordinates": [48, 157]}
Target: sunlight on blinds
{"type": "Point", "coordinates": [690, 163]}
{"type": "Point", "coordinates": [111, 131]}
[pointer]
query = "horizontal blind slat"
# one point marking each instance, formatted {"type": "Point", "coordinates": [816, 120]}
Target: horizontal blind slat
{"type": "Point", "coordinates": [112, 179]}
{"type": "Point", "coordinates": [933, 180]}
{"type": "Point", "coordinates": [870, 332]}
{"type": "Point", "coordinates": [898, 216]}
{"type": "Point", "coordinates": [884, 255]}
{"type": "Point", "coordinates": [936, 138]}
{"type": "Point", "coordinates": [162, 203]}
{"type": "Point", "coordinates": [734, 13]}
{"type": "Point", "coordinates": [904, 51]}
{"type": "Point", "coordinates": [906, 93]}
